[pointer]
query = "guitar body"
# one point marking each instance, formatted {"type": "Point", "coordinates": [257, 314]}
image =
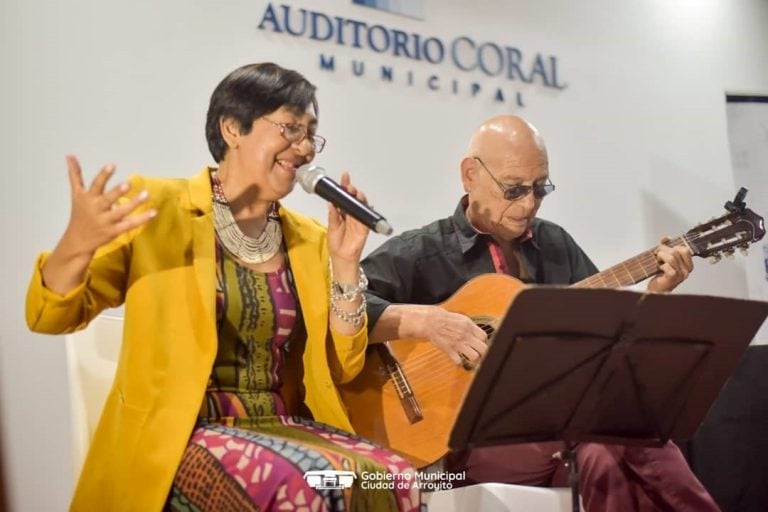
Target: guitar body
{"type": "Point", "coordinates": [437, 383]}
{"type": "Point", "coordinates": [409, 392]}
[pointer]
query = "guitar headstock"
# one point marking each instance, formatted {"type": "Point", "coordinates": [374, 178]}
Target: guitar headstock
{"type": "Point", "coordinates": [723, 235]}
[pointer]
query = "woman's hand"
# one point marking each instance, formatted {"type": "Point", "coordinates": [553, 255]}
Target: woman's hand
{"type": "Point", "coordinates": [346, 236]}
{"type": "Point", "coordinates": [96, 218]}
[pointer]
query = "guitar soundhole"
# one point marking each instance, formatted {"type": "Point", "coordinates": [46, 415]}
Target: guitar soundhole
{"type": "Point", "coordinates": [488, 328]}
{"type": "Point", "coordinates": [486, 323]}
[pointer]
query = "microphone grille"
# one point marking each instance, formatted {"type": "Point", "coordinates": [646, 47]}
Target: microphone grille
{"type": "Point", "coordinates": [307, 176]}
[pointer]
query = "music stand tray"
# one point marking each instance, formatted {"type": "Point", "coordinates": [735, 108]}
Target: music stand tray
{"type": "Point", "coordinates": [599, 365]}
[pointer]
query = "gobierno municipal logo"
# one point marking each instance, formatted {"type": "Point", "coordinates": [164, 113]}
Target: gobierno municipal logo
{"type": "Point", "coordinates": [330, 479]}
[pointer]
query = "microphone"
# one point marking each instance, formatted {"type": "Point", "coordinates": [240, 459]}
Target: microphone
{"type": "Point", "coordinates": [314, 181]}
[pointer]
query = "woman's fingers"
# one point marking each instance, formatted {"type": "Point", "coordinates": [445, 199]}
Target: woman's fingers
{"type": "Point", "coordinates": [346, 234]}
{"type": "Point", "coordinates": [122, 210]}
{"type": "Point", "coordinates": [100, 181]}
{"type": "Point", "coordinates": [115, 193]}
{"type": "Point", "coordinates": [334, 216]}
{"type": "Point", "coordinates": [75, 174]}
{"type": "Point", "coordinates": [346, 182]}
{"type": "Point", "coordinates": [97, 217]}
{"type": "Point", "coordinates": [134, 221]}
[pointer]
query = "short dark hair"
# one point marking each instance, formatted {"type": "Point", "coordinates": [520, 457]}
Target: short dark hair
{"type": "Point", "coordinates": [250, 92]}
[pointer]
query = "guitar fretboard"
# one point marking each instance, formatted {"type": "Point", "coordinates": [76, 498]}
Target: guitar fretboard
{"type": "Point", "coordinates": [628, 272]}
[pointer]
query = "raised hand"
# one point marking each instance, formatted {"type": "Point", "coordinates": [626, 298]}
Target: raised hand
{"type": "Point", "coordinates": [346, 238]}
{"type": "Point", "coordinates": [346, 235]}
{"type": "Point", "coordinates": [96, 218]}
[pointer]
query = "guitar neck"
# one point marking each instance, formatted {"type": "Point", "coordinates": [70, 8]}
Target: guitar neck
{"type": "Point", "coordinates": [628, 272]}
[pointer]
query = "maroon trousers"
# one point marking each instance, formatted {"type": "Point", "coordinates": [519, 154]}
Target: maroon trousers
{"type": "Point", "coordinates": [613, 478]}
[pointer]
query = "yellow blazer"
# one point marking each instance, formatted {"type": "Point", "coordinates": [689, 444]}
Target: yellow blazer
{"type": "Point", "coordinates": [165, 273]}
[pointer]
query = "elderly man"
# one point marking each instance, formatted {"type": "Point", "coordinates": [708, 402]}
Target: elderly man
{"type": "Point", "coordinates": [505, 176]}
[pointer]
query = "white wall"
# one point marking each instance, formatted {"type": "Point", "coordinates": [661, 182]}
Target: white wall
{"type": "Point", "coordinates": [638, 142]}
{"type": "Point", "coordinates": [748, 138]}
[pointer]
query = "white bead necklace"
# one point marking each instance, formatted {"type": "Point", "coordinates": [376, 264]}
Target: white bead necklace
{"type": "Point", "coordinates": [246, 248]}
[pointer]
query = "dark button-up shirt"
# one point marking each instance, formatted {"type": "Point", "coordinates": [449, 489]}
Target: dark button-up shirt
{"type": "Point", "coordinates": [427, 265]}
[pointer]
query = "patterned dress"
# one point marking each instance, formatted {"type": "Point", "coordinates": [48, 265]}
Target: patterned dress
{"type": "Point", "coordinates": [253, 446]}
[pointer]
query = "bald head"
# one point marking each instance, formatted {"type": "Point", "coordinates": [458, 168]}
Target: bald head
{"type": "Point", "coordinates": [504, 153]}
{"type": "Point", "coordinates": [510, 140]}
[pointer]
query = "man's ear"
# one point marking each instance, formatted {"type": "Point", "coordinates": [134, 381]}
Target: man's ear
{"type": "Point", "coordinates": [230, 131]}
{"type": "Point", "coordinates": [468, 173]}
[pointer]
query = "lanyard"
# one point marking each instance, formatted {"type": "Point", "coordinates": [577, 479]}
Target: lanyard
{"type": "Point", "coordinates": [500, 265]}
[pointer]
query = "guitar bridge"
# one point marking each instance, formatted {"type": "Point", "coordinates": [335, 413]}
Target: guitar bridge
{"type": "Point", "coordinates": [402, 386]}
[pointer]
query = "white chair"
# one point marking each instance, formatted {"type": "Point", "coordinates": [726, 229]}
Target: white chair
{"type": "Point", "coordinates": [492, 497]}
{"type": "Point", "coordinates": [91, 362]}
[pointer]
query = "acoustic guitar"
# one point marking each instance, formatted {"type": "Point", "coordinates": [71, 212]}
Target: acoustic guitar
{"type": "Point", "coordinates": [409, 393]}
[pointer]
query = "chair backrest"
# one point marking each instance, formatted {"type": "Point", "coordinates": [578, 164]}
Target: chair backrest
{"type": "Point", "coordinates": [91, 362]}
{"type": "Point", "coordinates": [494, 497]}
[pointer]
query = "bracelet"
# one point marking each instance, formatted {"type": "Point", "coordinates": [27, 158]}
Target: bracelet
{"type": "Point", "coordinates": [348, 292]}
{"type": "Point", "coordinates": [355, 318]}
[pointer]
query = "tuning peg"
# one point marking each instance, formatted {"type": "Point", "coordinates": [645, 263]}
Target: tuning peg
{"type": "Point", "coordinates": [729, 253]}
{"type": "Point", "coordinates": [715, 258]}
{"type": "Point", "coordinates": [743, 250]}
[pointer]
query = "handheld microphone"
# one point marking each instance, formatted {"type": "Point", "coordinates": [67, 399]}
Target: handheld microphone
{"type": "Point", "coordinates": [314, 181]}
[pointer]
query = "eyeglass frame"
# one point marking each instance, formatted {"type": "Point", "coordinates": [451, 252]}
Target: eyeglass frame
{"type": "Point", "coordinates": [316, 141]}
{"type": "Point", "coordinates": [519, 191]}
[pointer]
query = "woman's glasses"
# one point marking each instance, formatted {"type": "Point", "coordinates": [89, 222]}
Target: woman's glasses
{"type": "Point", "coordinates": [294, 133]}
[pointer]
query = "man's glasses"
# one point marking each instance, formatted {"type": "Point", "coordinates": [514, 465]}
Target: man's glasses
{"type": "Point", "coordinates": [516, 192]}
{"type": "Point", "coordinates": [294, 133]}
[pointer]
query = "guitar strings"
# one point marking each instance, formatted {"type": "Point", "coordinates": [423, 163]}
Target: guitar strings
{"type": "Point", "coordinates": [641, 262]}
{"type": "Point", "coordinates": [644, 263]}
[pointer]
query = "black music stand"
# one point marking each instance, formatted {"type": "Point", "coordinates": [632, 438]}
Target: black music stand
{"type": "Point", "coordinates": [610, 366]}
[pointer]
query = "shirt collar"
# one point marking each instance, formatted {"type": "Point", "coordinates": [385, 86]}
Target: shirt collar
{"type": "Point", "coordinates": [469, 236]}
